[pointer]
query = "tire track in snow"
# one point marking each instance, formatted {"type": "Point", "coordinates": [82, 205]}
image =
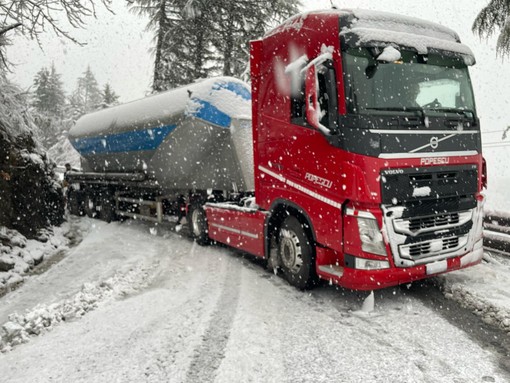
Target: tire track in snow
{"type": "Point", "coordinates": [208, 356]}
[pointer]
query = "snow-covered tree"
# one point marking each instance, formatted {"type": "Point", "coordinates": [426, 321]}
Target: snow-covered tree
{"type": "Point", "coordinates": [49, 102]}
{"type": "Point", "coordinates": [492, 18]}
{"type": "Point", "coordinates": [34, 17]}
{"type": "Point", "coordinates": [108, 96]}
{"type": "Point", "coordinates": [30, 197]}
{"type": "Point", "coordinates": [198, 38]}
{"type": "Point", "coordinates": [15, 115]}
{"type": "Point", "coordinates": [238, 22]}
{"type": "Point", "coordinates": [180, 43]}
{"type": "Point", "coordinates": [49, 96]}
{"type": "Point", "coordinates": [87, 96]}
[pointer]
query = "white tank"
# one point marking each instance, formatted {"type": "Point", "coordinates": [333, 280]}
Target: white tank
{"type": "Point", "coordinates": [196, 136]}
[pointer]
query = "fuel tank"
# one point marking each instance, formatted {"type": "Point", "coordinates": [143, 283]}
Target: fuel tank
{"type": "Point", "coordinates": [198, 136]}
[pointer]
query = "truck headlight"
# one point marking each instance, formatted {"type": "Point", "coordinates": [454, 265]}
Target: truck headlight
{"type": "Point", "coordinates": [370, 236]}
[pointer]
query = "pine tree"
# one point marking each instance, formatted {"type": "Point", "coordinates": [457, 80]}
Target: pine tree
{"type": "Point", "coordinates": [495, 16]}
{"type": "Point", "coordinates": [49, 103]}
{"type": "Point", "coordinates": [109, 97]}
{"type": "Point", "coordinates": [49, 96]}
{"type": "Point", "coordinates": [181, 44]}
{"type": "Point", "coordinates": [41, 82]}
{"type": "Point", "coordinates": [87, 96]}
{"type": "Point", "coordinates": [238, 22]}
{"type": "Point", "coordinates": [199, 38]}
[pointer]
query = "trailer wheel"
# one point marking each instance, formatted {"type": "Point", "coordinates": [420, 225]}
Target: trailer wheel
{"type": "Point", "coordinates": [90, 206]}
{"type": "Point", "coordinates": [107, 212]}
{"type": "Point", "coordinates": [197, 221]}
{"type": "Point", "coordinates": [296, 254]}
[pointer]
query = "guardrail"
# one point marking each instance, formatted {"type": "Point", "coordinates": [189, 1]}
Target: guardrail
{"type": "Point", "coordinates": [497, 232]}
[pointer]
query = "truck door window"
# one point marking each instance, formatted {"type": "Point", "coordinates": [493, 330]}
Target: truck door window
{"type": "Point", "coordinates": [297, 101]}
{"type": "Point", "coordinates": [327, 97]}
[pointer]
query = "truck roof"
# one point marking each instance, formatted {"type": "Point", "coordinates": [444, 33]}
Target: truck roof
{"type": "Point", "coordinates": [376, 28]}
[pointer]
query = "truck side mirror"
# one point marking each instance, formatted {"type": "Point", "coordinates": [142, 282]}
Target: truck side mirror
{"type": "Point", "coordinates": [311, 97]}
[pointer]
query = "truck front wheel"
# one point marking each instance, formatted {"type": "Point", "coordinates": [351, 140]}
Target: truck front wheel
{"type": "Point", "coordinates": [197, 222]}
{"type": "Point", "coordinates": [296, 254]}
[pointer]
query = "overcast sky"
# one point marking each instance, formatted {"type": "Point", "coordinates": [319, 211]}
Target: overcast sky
{"type": "Point", "coordinates": [118, 52]}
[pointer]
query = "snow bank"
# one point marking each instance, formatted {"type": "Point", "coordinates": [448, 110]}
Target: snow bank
{"type": "Point", "coordinates": [484, 289]}
{"type": "Point", "coordinates": [42, 318]}
{"type": "Point", "coordinates": [18, 255]}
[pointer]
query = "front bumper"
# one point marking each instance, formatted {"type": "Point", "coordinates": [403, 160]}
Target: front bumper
{"type": "Point", "coordinates": [377, 279]}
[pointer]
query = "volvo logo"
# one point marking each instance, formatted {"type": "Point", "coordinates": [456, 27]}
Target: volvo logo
{"type": "Point", "coordinates": [434, 142]}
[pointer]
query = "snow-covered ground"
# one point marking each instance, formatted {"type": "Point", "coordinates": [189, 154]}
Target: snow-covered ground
{"type": "Point", "coordinates": [136, 303]}
{"type": "Point", "coordinates": [20, 255]}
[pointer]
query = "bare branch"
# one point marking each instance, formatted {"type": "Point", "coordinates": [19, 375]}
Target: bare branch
{"type": "Point", "coordinates": [8, 28]}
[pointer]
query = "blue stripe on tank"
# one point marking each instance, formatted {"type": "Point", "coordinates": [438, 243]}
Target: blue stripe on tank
{"type": "Point", "coordinates": [210, 113]}
{"type": "Point", "coordinates": [147, 139]}
{"type": "Point", "coordinates": [234, 87]}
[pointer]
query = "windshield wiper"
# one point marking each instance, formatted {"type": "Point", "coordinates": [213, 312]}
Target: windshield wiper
{"type": "Point", "coordinates": [398, 108]}
{"type": "Point", "coordinates": [418, 109]}
{"type": "Point", "coordinates": [465, 112]}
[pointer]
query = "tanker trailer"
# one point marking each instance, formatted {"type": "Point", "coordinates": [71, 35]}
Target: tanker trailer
{"type": "Point", "coordinates": [152, 157]}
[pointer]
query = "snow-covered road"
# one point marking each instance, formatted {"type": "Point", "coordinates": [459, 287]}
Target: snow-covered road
{"type": "Point", "coordinates": [130, 304]}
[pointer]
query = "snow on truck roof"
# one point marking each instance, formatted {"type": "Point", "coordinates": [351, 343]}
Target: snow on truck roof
{"type": "Point", "coordinates": [215, 100]}
{"type": "Point", "coordinates": [375, 28]}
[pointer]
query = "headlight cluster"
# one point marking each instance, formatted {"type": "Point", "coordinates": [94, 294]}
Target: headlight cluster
{"type": "Point", "coordinates": [370, 236]}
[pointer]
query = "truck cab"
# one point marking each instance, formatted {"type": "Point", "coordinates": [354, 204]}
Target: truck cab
{"type": "Point", "coordinates": [366, 133]}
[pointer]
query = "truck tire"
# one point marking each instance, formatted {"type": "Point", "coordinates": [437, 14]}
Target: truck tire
{"type": "Point", "coordinates": [197, 222]}
{"type": "Point", "coordinates": [90, 206]}
{"type": "Point", "coordinates": [74, 203]}
{"type": "Point", "coordinates": [107, 212]}
{"type": "Point", "coordinates": [296, 254]}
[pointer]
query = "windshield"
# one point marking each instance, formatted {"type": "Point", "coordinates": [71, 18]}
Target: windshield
{"type": "Point", "coordinates": [436, 83]}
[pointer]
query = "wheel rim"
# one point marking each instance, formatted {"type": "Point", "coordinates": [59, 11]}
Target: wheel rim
{"type": "Point", "coordinates": [195, 221]}
{"type": "Point", "coordinates": [290, 251]}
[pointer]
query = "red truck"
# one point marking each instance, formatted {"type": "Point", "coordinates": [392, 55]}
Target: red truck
{"type": "Point", "coordinates": [366, 166]}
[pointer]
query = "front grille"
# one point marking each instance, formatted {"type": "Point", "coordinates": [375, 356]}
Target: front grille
{"type": "Point", "coordinates": [435, 221]}
{"type": "Point", "coordinates": [417, 225]}
{"type": "Point", "coordinates": [432, 247]}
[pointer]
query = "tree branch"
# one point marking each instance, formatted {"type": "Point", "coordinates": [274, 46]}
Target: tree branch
{"type": "Point", "coordinates": [9, 27]}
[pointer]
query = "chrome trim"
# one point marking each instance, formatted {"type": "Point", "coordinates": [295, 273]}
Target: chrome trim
{"type": "Point", "coordinates": [401, 225]}
{"type": "Point", "coordinates": [396, 240]}
{"type": "Point", "coordinates": [430, 143]}
{"type": "Point", "coordinates": [236, 231]}
{"type": "Point", "coordinates": [426, 155]}
{"type": "Point", "coordinates": [382, 131]}
{"type": "Point", "coordinates": [405, 250]}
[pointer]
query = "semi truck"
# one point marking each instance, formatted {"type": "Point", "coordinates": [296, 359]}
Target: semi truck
{"type": "Point", "coordinates": [354, 156]}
